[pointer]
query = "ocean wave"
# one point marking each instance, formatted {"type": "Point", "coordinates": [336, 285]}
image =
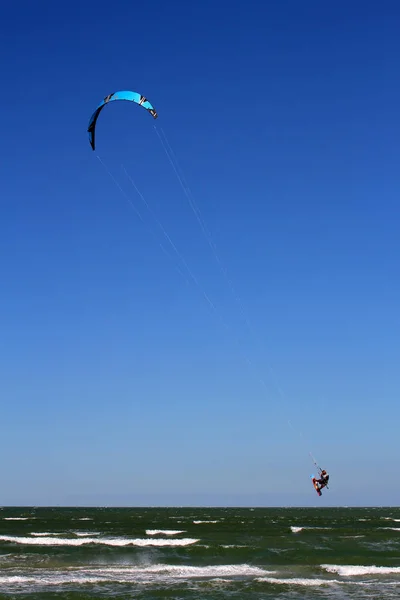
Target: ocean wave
{"type": "Point", "coordinates": [298, 581]}
{"type": "Point", "coordinates": [201, 522]}
{"type": "Point", "coordinates": [296, 529]}
{"type": "Point", "coordinates": [52, 533]}
{"type": "Point", "coordinates": [164, 531]}
{"type": "Point", "coordinates": [351, 570]}
{"type": "Point", "coordinates": [55, 541]}
{"type": "Point", "coordinates": [150, 574]}
{"type": "Point", "coordinates": [18, 518]}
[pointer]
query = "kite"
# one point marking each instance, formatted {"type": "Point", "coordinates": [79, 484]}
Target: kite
{"type": "Point", "coordinates": [122, 95]}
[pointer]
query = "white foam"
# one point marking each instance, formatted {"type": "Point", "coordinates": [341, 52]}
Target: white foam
{"type": "Point", "coordinates": [351, 570]}
{"type": "Point", "coordinates": [55, 541]}
{"type": "Point", "coordinates": [52, 533]}
{"type": "Point", "coordinates": [164, 531]}
{"type": "Point", "coordinates": [298, 581]}
{"type": "Point", "coordinates": [201, 522]}
{"type": "Point", "coordinates": [148, 574]}
{"type": "Point", "coordinates": [208, 571]}
{"type": "Point", "coordinates": [298, 529]}
{"type": "Point", "coordinates": [50, 579]}
{"type": "Point", "coordinates": [17, 518]}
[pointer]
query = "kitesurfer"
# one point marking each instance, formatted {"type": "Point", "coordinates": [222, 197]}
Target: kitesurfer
{"type": "Point", "coordinates": [323, 480]}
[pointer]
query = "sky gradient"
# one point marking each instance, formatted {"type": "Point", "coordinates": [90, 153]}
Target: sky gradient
{"type": "Point", "coordinates": [120, 383]}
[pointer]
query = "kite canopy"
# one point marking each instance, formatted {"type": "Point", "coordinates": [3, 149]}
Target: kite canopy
{"type": "Point", "coordinates": [122, 95]}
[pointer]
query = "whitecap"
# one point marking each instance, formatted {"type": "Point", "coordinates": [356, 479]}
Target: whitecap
{"type": "Point", "coordinates": [298, 581]}
{"type": "Point", "coordinates": [164, 531]}
{"type": "Point", "coordinates": [351, 570]}
{"type": "Point", "coordinates": [201, 522]}
{"type": "Point", "coordinates": [150, 574]}
{"type": "Point", "coordinates": [55, 541]}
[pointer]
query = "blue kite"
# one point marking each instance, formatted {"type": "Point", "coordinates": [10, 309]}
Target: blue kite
{"type": "Point", "coordinates": [122, 95]}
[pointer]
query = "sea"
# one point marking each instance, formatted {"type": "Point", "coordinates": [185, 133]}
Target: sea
{"type": "Point", "coordinates": [200, 553]}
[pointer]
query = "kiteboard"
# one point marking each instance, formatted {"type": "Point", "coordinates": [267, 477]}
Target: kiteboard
{"type": "Point", "coordinates": [315, 484]}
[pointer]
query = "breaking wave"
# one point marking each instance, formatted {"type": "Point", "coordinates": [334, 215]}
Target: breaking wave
{"type": "Point", "coordinates": [57, 541]}
{"type": "Point", "coordinates": [296, 529]}
{"type": "Point", "coordinates": [134, 574]}
{"type": "Point", "coordinates": [164, 531]}
{"type": "Point", "coordinates": [298, 581]}
{"type": "Point", "coordinates": [352, 570]}
{"type": "Point", "coordinates": [201, 522]}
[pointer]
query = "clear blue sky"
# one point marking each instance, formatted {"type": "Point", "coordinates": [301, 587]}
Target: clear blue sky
{"type": "Point", "coordinates": [118, 382]}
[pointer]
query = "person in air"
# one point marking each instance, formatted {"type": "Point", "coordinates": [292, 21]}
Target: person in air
{"type": "Point", "coordinates": [323, 480]}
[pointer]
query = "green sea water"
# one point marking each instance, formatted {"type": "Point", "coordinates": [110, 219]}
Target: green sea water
{"type": "Point", "coordinates": [200, 553]}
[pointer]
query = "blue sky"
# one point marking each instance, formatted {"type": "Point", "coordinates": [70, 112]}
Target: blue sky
{"type": "Point", "coordinates": [119, 383]}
